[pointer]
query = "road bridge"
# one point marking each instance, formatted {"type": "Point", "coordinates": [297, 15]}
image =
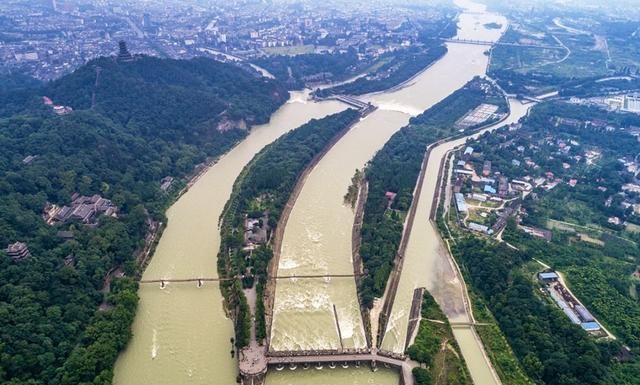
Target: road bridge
{"type": "Point", "coordinates": [492, 43]}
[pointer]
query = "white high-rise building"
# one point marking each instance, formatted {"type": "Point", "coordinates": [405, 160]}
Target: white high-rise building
{"type": "Point", "coordinates": [632, 103]}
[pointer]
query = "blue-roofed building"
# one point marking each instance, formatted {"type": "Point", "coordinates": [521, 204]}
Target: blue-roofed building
{"type": "Point", "coordinates": [487, 180]}
{"type": "Point", "coordinates": [515, 162]}
{"type": "Point", "coordinates": [489, 190]}
{"type": "Point", "coordinates": [590, 326]}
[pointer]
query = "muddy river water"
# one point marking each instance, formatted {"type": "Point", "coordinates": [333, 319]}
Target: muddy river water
{"type": "Point", "coordinates": [181, 334]}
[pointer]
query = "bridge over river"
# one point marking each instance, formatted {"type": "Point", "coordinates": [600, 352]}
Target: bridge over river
{"type": "Point", "coordinates": [505, 44]}
{"type": "Point", "coordinates": [254, 371]}
{"type": "Point", "coordinates": [201, 280]}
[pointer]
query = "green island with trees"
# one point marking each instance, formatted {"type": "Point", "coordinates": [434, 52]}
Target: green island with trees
{"type": "Point", "coordinates": [375, 71]}
{"type": "Point", "coordinates": [313, 68]}
{"type": "Point", "coordinates": [395, 168]}
{"type": "Point", "coordinates": [132, 124]}
{"type": "Point", "coordinates": [436, 350]}
{"type": "Point", "coordinates": [262, 191]}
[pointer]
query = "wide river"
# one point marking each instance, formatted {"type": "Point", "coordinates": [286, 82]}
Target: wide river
{"type": "Point", "coordinates": [181, 334]}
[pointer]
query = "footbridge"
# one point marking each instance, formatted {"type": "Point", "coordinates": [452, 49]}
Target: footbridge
{"type": "Point", "coordinates": [201, 280]}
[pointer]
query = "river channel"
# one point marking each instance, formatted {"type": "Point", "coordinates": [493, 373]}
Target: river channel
{"type": "Point", "coordinates": [324, 313]}
{"type": "Point", "coordinates": [180, 333]}
{"type": "Point", "coordinates": [427, 264]}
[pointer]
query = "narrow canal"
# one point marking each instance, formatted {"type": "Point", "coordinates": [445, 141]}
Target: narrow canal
{"type": "Point", "coordinates": [180, 333]}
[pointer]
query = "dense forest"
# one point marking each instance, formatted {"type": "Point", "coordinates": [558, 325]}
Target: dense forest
{"type": "Point", "coordinates": [131, 126]}
{"type": "Point", "coordinates": [558, 352]}
{"type": "Point", "coordinates": [395, 168]}
{"type": "Point", "coordinates": [263, 188]}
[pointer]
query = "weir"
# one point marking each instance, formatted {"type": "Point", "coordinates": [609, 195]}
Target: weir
{"type": "Point", "coordinates": [414, 316]}
{"type": "Point", "coordinates": [317, 238]}
{"type": "Point", "coordinates": [317, 358]}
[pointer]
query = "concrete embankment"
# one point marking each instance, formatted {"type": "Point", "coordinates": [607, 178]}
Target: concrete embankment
{"type": "Point", "coordinates": [394, 278]}
{"type": "Point", "coordinates": [356, 242]}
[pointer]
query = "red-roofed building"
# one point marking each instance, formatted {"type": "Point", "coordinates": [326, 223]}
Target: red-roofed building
{"type": "Point", "coordinates": [391, 196]}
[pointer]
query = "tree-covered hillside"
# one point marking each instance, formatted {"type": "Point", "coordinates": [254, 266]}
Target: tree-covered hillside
{"type": "Point", "coordinates": [149, 119]}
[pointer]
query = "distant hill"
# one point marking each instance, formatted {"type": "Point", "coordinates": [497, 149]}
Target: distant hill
{"type": "Point", "coordinates": [153, 94]}
{"type": "Point", "coordinates": [149, 119]}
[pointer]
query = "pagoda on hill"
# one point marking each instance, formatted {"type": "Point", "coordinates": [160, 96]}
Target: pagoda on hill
{"type": "Point", "coordinates": [124, 55]}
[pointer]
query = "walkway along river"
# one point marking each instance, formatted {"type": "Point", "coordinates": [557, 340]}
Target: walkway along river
{"type": "Point", "coordinates": [324, 314]}
{"type": "Point", "coordinates": [181, 334]}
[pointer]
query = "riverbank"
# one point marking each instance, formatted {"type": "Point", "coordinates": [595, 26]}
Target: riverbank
{"type": "Point", "coordinates": [358, 267]}
{"type": "Point", "coordinates": [187, 248]}
{"type": "Point", "coordinates": [398, 169]}
{"type": "Point", "coordinates": [394, 278]}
